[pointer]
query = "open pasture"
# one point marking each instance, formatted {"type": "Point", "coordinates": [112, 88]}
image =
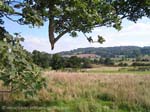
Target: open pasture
{"type": "Point", "coordinates": [88, 92]}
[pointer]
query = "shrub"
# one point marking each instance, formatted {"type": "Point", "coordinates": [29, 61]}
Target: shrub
{"type": "Point", "coordinates": [122, 64]}
{"type": "Point", "coordinates": [108, 61]}
{"type": "Point", "coordinates": [16, 68]}
{"type": "Point", "coordinates": [140, 64]}
{"type": "Point", "coordinates": [57, 62]}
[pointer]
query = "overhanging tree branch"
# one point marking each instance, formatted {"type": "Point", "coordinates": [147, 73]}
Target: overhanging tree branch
{"type": "Point", "coordinates": [61, 34]}
{"type": "Point", "coordinates": [13, 20]}
{"type": "Point", "coordinates": [64, 14]}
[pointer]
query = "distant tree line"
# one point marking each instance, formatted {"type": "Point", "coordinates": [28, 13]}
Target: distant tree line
{"type": "Point", "coordinates": [112, 52]}
{"type": "Point", "coordinates": [56, 61]}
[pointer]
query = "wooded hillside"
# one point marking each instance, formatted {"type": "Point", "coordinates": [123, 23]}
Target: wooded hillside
{"type": "Point", "coordinates": [127, 51]}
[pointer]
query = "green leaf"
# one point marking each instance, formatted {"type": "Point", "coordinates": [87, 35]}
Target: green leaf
{"type": "Point", "coordinates": [101, 39]}
{"type": "Point", "coordinates": [73, 34]}
{"type": "Point", "coordinates": [16, 67]}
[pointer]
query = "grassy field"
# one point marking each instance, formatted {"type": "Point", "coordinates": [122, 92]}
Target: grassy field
{"type": "Point", "coordinates": [117, 70]}
{"type": "Point", "coordinates": [91, 91]}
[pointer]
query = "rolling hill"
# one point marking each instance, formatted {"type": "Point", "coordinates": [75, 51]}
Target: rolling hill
{"type": "Point", "coordinates": [127, 51]}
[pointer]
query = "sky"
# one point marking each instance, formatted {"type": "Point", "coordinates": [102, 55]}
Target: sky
{"type": "Point", "coordinates": [132, 34]}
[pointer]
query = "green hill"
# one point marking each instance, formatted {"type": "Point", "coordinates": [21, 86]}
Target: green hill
{"type": "Point", "coordinates": [127, 51]}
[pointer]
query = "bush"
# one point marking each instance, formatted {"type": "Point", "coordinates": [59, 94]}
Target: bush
{"type": "Point", "coordinates": [57, 62]}
{"type": "Point", "coordinates": [108, 61]}
{"type": "Point", "coordinates": [16, 68]}
{"type": "Point", "coordinates": [140, 64]}
{"type": "Point", "coordinates": [122, 64]}
{"type": "Point", "coordinates": [41, 59]}
{"type": "Point", "coordinates": [86, 63]}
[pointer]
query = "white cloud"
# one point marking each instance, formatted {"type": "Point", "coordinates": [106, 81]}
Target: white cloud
{"type": "Point", "coordinates": [35, 43]}
{"type": "Point", "coordinates": [133, 34]}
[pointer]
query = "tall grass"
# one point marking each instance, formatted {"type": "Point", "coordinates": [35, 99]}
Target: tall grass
{"type": "Point", "coordinates": [115, 91]}
{"type": "Point", "coordinates": [83, 92]}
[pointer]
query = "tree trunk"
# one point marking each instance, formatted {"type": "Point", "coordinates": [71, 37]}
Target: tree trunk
{"type": "Point", "coordinates": [51, 32]}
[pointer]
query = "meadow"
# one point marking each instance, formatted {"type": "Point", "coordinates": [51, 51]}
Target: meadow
{"type": "Point", "coordinates": [144, 70]}
{"type": "Point", "coordinates": [88, 91]}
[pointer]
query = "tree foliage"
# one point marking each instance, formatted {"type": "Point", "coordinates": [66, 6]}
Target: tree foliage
{"type": "Point", "coordinates": [57, 62]}
{"type": "Point", "coordinates": [74, 62]}
{"type": "Point", "coordinates": [16, 68]}
{"type": "Point", "coordinates": [72, 16]}
{"type": "Point", "coordinates": [41, 59]}
{"type": "Point", "coordinates": [112, 52]}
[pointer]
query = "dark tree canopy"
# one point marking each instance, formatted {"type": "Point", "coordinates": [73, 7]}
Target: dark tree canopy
{"type": "Point", "coordinates": [72, 16]}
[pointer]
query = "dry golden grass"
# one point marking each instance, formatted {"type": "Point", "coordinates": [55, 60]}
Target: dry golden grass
{"type": "Point", "coordinates": [133, 89]}
{"type": "Point", "coordinates": [85, 88]}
